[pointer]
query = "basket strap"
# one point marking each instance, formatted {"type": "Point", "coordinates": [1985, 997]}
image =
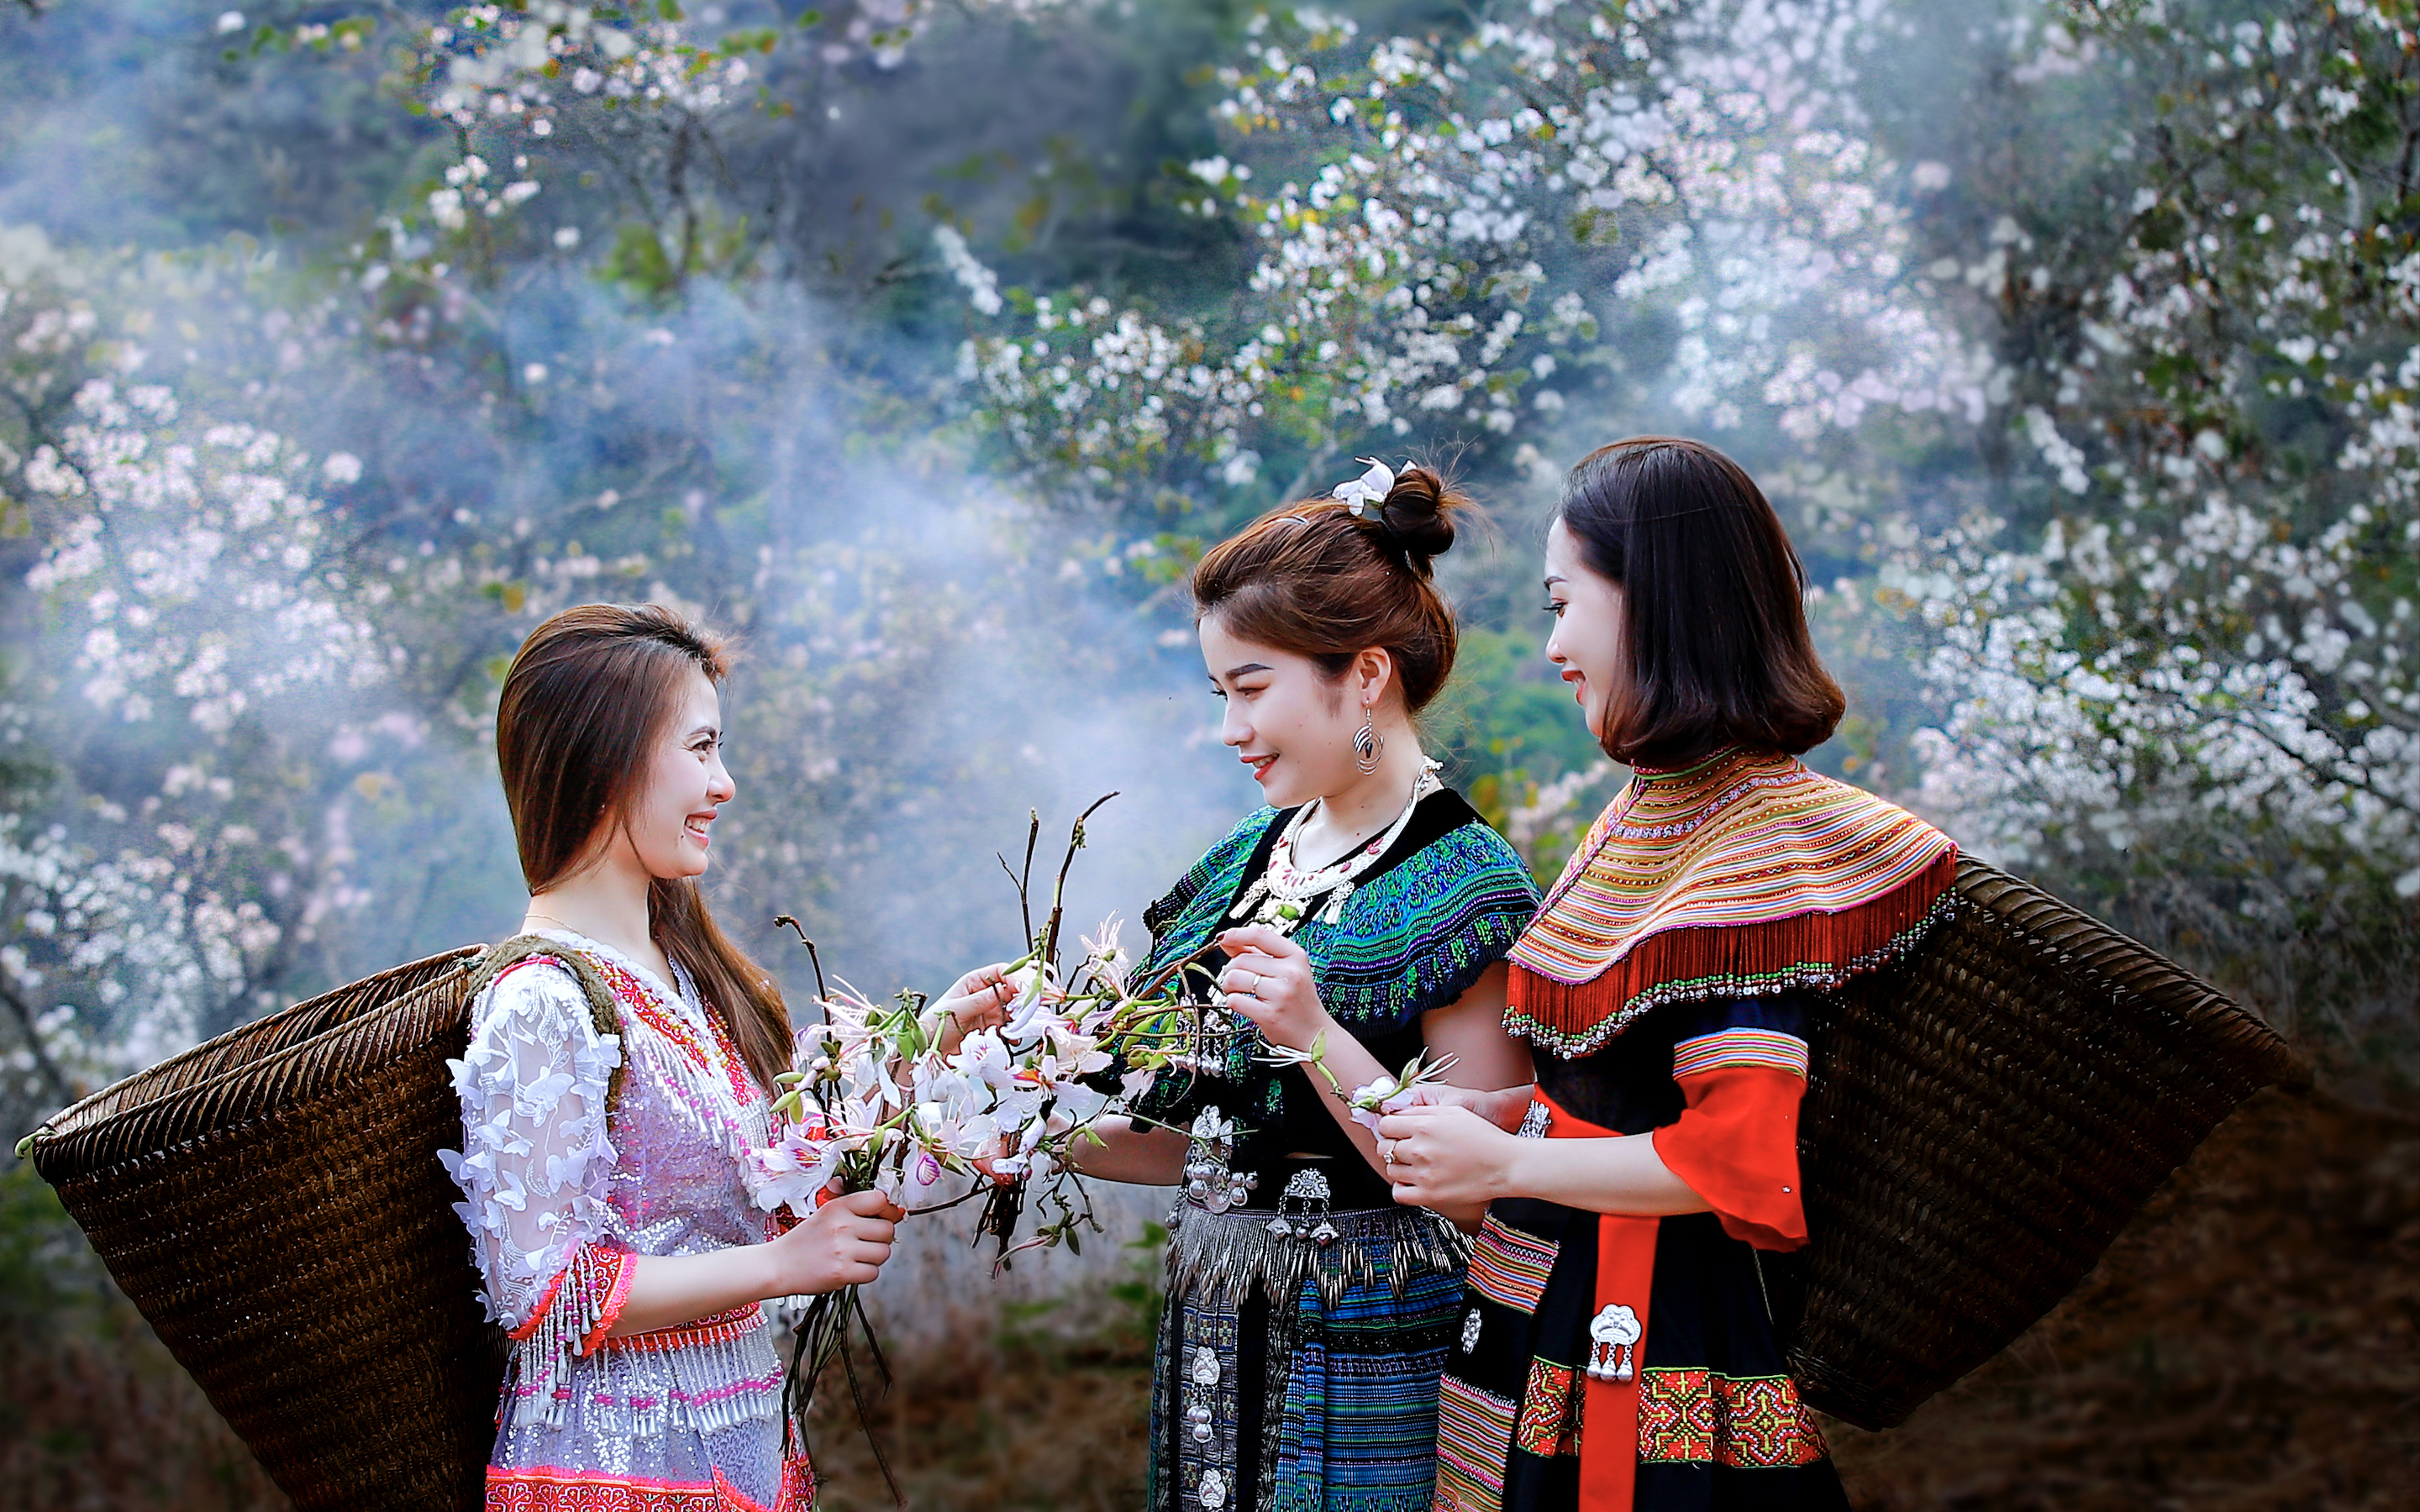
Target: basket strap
{"type": "Point", "coordinates": [604, 1008]}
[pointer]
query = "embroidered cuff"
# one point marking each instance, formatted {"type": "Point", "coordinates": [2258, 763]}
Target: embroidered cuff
{"type": "Point", "coordinates": [1739, 1046]}
{"type": "Point", "coordinates": [1737, 1146]}
{"type": "Point", "coordinates": [584, 1301]}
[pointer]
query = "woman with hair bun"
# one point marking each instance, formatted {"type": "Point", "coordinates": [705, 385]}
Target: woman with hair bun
{"type": "Point", "coordinates": [1633, 1289]}
{"type": "Point", "coordinates": [1363, 915]}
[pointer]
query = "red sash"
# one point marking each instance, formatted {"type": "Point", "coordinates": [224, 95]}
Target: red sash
{"type": "Point", "coordinates": [1625, 1274]}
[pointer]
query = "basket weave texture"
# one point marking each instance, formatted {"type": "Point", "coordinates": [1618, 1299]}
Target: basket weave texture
{"type": "Point", "coordinates": [1981, 1121]}
{"type": "Point", "coordinates": [272, 1202]}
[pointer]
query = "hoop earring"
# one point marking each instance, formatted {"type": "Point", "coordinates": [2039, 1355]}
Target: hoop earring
{"type": "Point", "coordinates": [1368, 745]}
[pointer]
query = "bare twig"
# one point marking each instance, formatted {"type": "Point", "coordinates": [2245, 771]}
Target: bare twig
{"type": "Point", "coordinates": [812, 959]}
{"type": "Point", "coordinates": [1025, 883]}
{"type": "Point", "coordinates": [1047, 949]}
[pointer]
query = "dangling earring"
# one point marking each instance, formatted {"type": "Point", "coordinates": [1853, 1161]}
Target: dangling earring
{"type": "Point", "coordinates": [1368, 745]}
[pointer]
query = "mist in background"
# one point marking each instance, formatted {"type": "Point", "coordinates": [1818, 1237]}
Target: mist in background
{"type": "Point", "coordinates": [924, 346]}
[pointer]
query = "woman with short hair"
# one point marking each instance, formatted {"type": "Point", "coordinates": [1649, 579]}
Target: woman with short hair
{"type": "Point", "coordinates": [1632, 1292]}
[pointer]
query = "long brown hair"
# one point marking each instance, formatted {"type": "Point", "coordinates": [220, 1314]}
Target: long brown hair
{"type": "Point", "coordinates": [1314, 579]}
{"type": "Point", "coordinates": [1714, 597]}
{"type": "Point", "coordinates": [587, 697]}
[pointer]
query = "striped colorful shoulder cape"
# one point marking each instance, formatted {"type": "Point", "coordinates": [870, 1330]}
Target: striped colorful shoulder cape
{"type": "Point", "coordinates": [1742, 874]}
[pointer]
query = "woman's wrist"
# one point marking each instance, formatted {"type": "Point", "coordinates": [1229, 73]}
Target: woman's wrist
{"type": "Point", "coordinates": [1326, 1033]}
{"type": "Point", "coordinates": [1516, 1174]}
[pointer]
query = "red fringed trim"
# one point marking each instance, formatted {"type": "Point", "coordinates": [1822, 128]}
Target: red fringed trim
{"type": "Point", "coordinates": [1737, 1146]}
{"type": "Point", "coordinates": [1692, 964]}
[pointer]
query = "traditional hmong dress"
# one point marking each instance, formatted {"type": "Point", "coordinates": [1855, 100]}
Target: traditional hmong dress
{"type": "Point", "coordinates": [1612, 1362]}
{"type": "Point", "coordinates": [1307, 1313]}
{"type": "Point", "coordinates": [561, 1196]}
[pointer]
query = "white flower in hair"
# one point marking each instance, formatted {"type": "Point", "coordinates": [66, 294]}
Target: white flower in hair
{"type": "Point", "coordinates": [1368, 491]}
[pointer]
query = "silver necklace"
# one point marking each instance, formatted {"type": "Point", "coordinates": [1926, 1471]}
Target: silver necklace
{"type": "Point", "coordinates": [1280, 896]}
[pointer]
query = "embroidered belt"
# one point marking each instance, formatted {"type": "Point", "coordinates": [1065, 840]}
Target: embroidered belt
{"type": "Point", "coordinates": [715, 1328]}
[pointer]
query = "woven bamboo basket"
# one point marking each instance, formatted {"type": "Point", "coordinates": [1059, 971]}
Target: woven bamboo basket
{"type": "Point", "coordinates": [1981, 1121]}
{"type": "Point", "coordinates": [272, 1202]}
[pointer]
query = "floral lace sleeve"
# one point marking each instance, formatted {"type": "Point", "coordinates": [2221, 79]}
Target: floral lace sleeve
{"type": "Point", "coordinates": [536, 1157]}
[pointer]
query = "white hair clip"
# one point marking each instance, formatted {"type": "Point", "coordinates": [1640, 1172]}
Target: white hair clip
{"type": "Point", "coordinates": [1368, 491]}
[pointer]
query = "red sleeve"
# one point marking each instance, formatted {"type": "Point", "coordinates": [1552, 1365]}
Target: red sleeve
{"type": "Point", "coordinates": [1737, 1146]}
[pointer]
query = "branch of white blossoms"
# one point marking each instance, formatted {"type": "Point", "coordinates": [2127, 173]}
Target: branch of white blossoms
{"type": "Point", "coordinates": [186, 586]}
{"type": "Point", "coordinates": [896, 1101]}
{"type": "Point", "coordinates": [2220, 622]}
{"type": "Point", "coordinates": [1451, 223]}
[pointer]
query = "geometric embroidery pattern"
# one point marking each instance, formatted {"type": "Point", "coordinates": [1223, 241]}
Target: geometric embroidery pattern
{"type": "Point", "coordinates": [1688, 1417]}
{"type": "Point", "coordinates": [1474, 1439]}
{"type": "Point", "coordinates": [1550, 1411]}
{"type": "Point", "coordinates": [1510, 1266]}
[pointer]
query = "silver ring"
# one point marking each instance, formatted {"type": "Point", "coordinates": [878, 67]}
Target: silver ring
{"type": "Point", "coordinates": [1386, 1150]}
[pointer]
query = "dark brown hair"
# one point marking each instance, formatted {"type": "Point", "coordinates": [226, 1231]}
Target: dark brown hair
{"type": "Point", "coordinates": [1714, 616]}
{"type": "Point", "coordinates": [587, 697]}
{"type": "Point", "coordinates": [1314, 579]}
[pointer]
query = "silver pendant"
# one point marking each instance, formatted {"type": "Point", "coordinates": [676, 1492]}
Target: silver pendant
{"type": "Point", "coordinates": [1208, 1179]}
{"type": "Point", "coordinates": [1611, 1334]}
{"type": "Point", "coordinates": [1470, 1332]}
{"type": "Point", "coordinates": [1205, 1368]}
{"type": "Point", "coordinates": [1302, 1210]}
{"type": "Point", "coordinates": [1213, 1489]}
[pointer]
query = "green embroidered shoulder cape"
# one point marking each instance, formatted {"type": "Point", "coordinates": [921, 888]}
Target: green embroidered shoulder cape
{"type": "Point", "coordinates": [1445, 902]}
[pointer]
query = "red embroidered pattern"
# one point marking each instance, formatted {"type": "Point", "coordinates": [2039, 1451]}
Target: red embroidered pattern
{"type": "Point", "coordinates": [545, 1489]}
{"type": "Point", "coordinates": [652, 1012]}
{"type": "Point", "coordinates": [1550, 1411]}
{"type": "Point", "coordinates": [603, 1275]}
{"type": "Point", "coordinates": [619, 1272]}
{"type": "Point", "coordinates": [715, 1328]}
{"type": "Point", "coordinates": [1743, 1422]}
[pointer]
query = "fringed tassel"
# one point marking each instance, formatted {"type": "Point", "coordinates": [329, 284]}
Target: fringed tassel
{"type": "Point", "coordinates": [577, 1315]}
{"type": "Point", "coordinates": [1218, 1257]}
{"type": "Point", "coordinates": [723, 1384]}
{"type": "Point", "coordinates": [1808, 950]}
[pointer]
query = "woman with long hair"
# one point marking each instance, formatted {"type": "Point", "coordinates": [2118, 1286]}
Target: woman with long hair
{"type": "Point", "coordinates": [605, 1174]}
{"type": "Point", "coordinates": [1363, 916]}
{"type": "Point", "coordinates": [1632, 1290]}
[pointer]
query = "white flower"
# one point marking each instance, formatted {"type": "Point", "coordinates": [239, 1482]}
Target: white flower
{"type": "Point", "coordinates": [1369, 488]}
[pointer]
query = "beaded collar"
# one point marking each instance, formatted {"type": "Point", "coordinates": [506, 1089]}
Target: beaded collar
{"type": "Point", "coordinates": [1280, 897]}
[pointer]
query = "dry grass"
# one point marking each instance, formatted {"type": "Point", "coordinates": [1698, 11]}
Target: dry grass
{"type": "Point", "coordinates": [2252, 1344]}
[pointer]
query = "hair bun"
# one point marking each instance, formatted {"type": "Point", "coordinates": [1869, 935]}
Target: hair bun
{"type": "Point", "coordinates": [1418, 512]}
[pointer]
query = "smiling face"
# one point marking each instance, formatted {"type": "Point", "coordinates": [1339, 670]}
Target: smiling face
{"type": "Point", "coordinates": [685, 784]}
{"type": "Point", "coordinates": [1288, 721]}
{"type": "Point", "coordinates": [1588, 643]}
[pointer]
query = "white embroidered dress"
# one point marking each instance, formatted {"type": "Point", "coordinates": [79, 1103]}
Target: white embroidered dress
{"type": "Point", "coordinates": [558, 1197]}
